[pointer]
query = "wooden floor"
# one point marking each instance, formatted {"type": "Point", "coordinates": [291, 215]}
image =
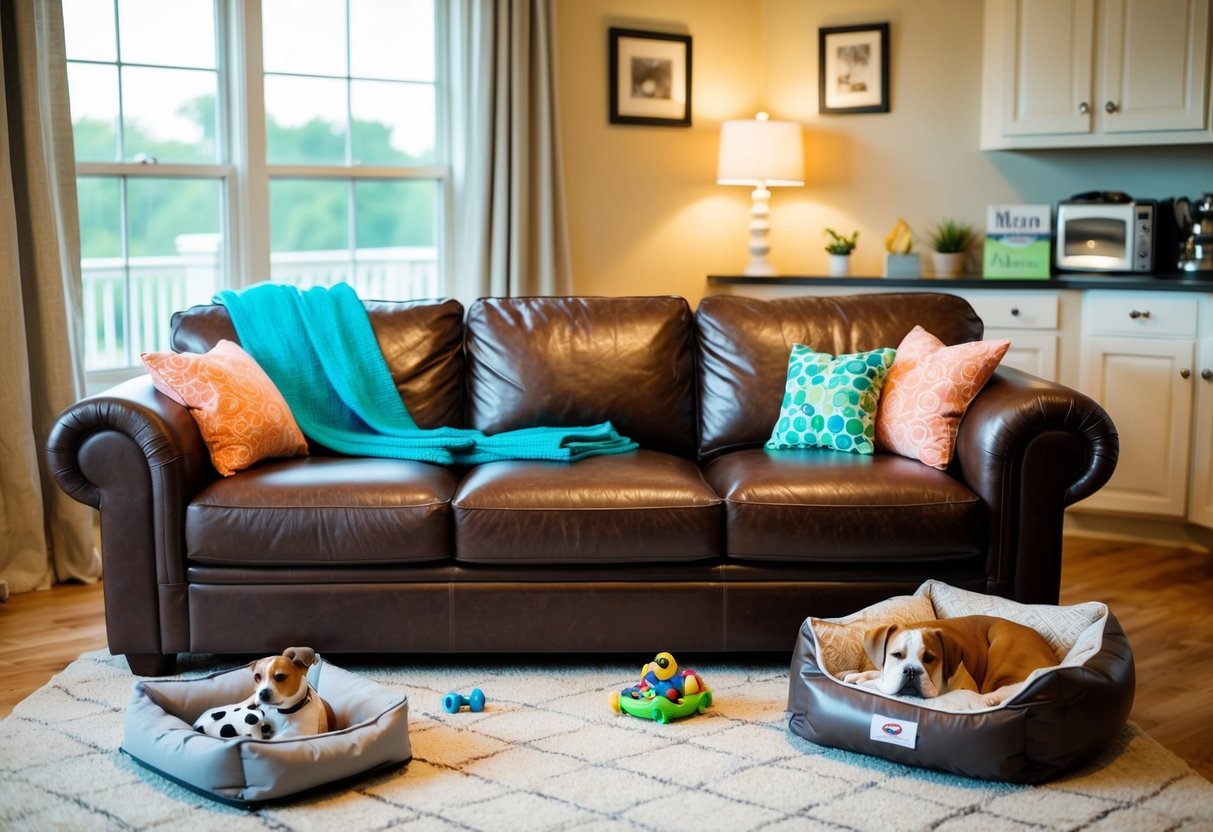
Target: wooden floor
{"type": "Point", "coordinates": [1163, 598]}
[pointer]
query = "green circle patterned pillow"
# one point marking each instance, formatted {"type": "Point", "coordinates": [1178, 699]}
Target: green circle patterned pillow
{"type": "Point", "coordinates": [831, 402]}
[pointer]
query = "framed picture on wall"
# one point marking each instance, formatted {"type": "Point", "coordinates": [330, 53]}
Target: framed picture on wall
{"type": "Point", "coordinates": [650, 78]}
{"type": "Point", "coordinates": [853, 71]}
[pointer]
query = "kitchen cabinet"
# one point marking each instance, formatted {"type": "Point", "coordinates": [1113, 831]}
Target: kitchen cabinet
{"type": "Point", "coordinates": [1200, 505]}
{"type": "Point", "coordinates": [1136, 360]}
{"type": "Point", "coordinates": [1029, 320]}
{"type": "Point", "coordinates": [1086, 73]}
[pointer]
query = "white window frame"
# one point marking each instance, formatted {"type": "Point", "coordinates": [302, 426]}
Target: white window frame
{"type": "Point", "coordinates": [245, 174]}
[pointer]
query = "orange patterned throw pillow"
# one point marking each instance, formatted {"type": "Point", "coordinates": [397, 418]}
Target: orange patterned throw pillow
{"type": "Point", "coordinates": [240, 413]}
{"type": "Point", "coordinates": [927, 391]}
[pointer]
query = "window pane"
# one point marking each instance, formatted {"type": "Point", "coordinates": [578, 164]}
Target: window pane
{"type": "Point", "coordinates": [88, 30]}
{"type": "Point", "coordinates": [173, 217]}
{"type": "Point", "coordinates": [392, 39]}
{"type": "Point", "coordinates": [390, 214]}
{"type": "Point", "coordinates": [393, 122]}
{"type": "Point", "coordinates": [103, 272]}
{"type": "Point", "coordinates": [305, 120]}
{"type": "Point", "coordinates": [394, 231]}
{"type": "Point", "coordinates": [309, 231]}
{"type": "Point", "coordinates": [169, 114]}
{"type": "Point", "coordinates": [175, 253]}
{"type": "Point", "coordinates": [303, 36]}
{"type": "Point", "coordinates": [94, 94]}
{"type": "Point", "coordinates": [100, 210]}
{"type": "Point", "coordinates": [180, 33]}
{"type": "Point", "coordinates": [175, 260]}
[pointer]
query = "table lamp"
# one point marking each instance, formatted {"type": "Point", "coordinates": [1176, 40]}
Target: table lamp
{"type": "Point", "coordinates": [763, 154]}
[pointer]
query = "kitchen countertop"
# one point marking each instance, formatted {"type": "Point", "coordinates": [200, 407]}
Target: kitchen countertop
{"type": "Point", "coordinates": [1157, 283]}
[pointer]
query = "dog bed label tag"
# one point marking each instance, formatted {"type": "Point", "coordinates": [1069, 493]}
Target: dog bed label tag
{"type": "Point", "coordinates": [893, 731]}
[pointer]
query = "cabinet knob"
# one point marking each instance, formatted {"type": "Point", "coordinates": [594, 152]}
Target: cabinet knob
{"type": "Point", "coordinates": [1084, 109]}
{"type": "Point", "coordinates": [1014, 311]}
{"type": "Point", "coordinates": [1110, 107]}
{"type": "Point", "coordinates": [1139, 313]}
{"type": "Point", "coordinates": [1184, 372]}
{"type": "Point", "coordinates": [1206, 374]}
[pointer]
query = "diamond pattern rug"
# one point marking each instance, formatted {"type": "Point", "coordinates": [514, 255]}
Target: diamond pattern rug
{"type": "Point", "coordinates": [549, 753]}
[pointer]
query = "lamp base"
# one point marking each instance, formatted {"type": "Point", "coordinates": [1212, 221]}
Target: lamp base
{"type": "Point", "coordinates": [760, 226]}
{"type": "Point", "coordinates": [760, 268]}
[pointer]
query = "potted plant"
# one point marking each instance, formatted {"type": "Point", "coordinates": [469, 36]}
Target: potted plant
{"type": "Point", "coordinates": [839, 248]}
{"type": "Point", "coordinates": [950, 241]}
{"type": "Point", "coordinates": [899, 261]}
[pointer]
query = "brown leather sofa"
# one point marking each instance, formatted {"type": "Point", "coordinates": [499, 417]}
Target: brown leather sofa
{"type": "Point", "coordinates": [699, 541]}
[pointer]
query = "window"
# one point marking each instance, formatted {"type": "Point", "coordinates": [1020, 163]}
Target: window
{"type": "Point", "coordinates": [313, 156]}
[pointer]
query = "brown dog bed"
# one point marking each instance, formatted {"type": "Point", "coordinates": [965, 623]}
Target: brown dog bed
{"type": "Point", "coordinates": [1062, 718]}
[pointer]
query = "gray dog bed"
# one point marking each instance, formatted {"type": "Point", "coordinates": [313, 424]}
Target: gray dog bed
{"type": "Point", "coordinates": [1062, 718]}
{"type": "Point", "coordinates": [372, 733]}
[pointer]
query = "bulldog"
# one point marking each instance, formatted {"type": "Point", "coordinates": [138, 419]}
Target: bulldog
{"type": "Point", "coordinates": [968, 662]}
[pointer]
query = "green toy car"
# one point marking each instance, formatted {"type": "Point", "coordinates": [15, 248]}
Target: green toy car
{"type": "Point", "coordinates": [660, 708]}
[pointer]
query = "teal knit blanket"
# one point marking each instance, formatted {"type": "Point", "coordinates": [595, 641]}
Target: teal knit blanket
{"type": "Point", "coordinates": [318, 347]}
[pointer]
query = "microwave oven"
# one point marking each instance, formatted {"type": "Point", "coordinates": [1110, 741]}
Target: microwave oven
{"type": "Point", "coordinates": [1106, 236]}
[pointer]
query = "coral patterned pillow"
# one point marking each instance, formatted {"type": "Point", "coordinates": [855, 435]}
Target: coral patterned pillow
{"type": "Point", "coordinates": [927, 391]}
{"type": "Point", "coordinates": [240, 413]}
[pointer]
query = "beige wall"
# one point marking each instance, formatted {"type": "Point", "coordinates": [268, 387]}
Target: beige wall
{"type": "Point", "coordinates": [647, 217]}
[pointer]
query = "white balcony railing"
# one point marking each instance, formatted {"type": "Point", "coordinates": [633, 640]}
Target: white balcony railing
{"type": "Point", "coordinates": [128, 305]}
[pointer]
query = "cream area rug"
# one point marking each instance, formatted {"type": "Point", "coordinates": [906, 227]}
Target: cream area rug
{"type": "Point", "coordinates": [549, 753]}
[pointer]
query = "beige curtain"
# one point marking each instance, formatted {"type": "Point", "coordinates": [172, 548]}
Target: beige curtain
{"type": "Point", "coordinates": [44, 535]}
{"type": "Point", "coordinates": [510, 234]}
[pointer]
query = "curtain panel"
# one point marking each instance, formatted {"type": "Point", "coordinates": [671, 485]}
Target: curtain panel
{"type": "Point", "coordinates": [45, 536]}
{"type": "Point", "coordinates": [510, 235]}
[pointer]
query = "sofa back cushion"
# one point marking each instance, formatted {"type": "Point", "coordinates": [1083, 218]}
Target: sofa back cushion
{"type": "Point", "coordinates": [421, 340]}
{"type": "Point", "coordinates": [744, 344]}
{"type": "Point", "coordinates": [568, 361]}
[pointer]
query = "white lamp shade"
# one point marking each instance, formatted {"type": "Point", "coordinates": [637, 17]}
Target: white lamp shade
{"type": "Point", "coordinates": [754, 152]}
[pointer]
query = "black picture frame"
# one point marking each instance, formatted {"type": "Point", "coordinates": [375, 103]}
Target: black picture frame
{"type": "Point", "coordinates": [650, 78]}
{"type": "Point", "coordinates": [853, 69]}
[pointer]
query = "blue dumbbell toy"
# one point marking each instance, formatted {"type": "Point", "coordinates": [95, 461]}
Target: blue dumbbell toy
{"type": "Point", "coordinates": [452, 702]}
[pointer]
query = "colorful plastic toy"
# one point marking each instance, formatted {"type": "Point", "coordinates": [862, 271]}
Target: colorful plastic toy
{"type": "Point", "coordinates": [665, 692]}
{"type": "Point", "coordinates": [452, 702]}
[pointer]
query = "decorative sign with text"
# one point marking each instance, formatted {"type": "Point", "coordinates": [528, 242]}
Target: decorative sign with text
{"type": "Point", "coordinates": [1017, 241]}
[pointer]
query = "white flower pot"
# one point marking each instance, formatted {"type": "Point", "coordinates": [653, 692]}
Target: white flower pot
{"type": "Point", "coordinates": [948, 264]}
{"type": "Point", "coordinates": [840, 265]}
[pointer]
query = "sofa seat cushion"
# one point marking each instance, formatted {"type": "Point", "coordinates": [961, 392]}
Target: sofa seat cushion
{"type": "Point", "coordinates": [820, 505]}
{"type": "Point", "coordinates": [645, 506]}
{"type": "Point", "coordinates": [324, 511]}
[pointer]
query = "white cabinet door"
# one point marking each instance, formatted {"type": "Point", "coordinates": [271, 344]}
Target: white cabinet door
{"type": "Point", "coordinates": [1035, 354]}
{"type": "Point", "coordinates": [1140, 383]}
{"type": "Point", "coordinates": [1048, 66]}
{"type": "Point", "coordinates": [1201, 508]}
{"type": "Point", "coordinates": [1153, 65]}
{"type": "Point", "coordinates": [1090, 73]}
{"type": "Point", "coordinates": [1028, 319]}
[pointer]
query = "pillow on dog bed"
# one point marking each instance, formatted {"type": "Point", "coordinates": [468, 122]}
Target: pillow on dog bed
{"type": "Point", "coordinates": [372, 733]}
{"type": "Point", "coordinates": [1064, 715]}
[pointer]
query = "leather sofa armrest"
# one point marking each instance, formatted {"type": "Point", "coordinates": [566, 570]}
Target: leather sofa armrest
{"type": "Point", "coordinates": [1029, 448]}
{"type": "Point", "coordinates": [138, 457]}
